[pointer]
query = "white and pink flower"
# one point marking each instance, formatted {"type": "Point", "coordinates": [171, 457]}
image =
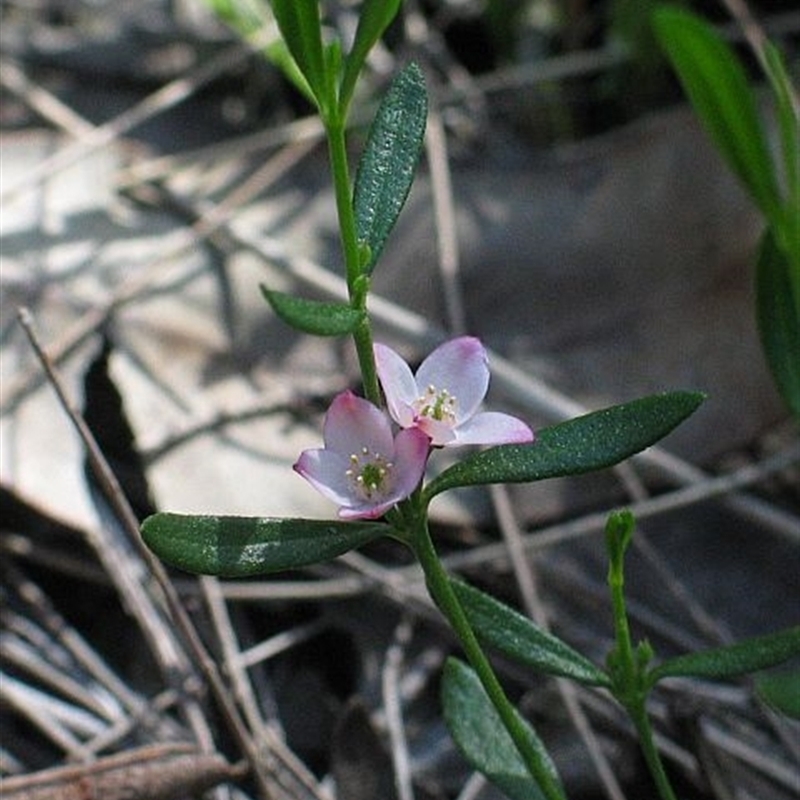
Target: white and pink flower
{"type": "Point", "coordinates": [363, 467]}
{"type": "Point", "coordinates": [443, 397]}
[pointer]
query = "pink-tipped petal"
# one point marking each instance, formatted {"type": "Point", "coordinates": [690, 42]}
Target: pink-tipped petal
{"type": "Point", "coordinates": [412, 447]}
{"type": "Point", "coordinates": [461, 367]}
{"type": "Point", "coordinates": [365, 511]}
{"type": "Point", "coordinates": [493, 427]}
{"type": "Point", "coordinates": [399, 386]}
{"type": "Point", "coordinates": [326, 472]}
{"type": "Point", "coordinates": [353, 423]}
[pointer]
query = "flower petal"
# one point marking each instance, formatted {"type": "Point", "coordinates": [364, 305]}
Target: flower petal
{"type": "Point", "coordinates": [399, 386]}
{"type": "Point", "coordinates": [460, 366]}
{"type": "Point", "coordinates": [412, 448]}
{"type": "Point", "coordinates": [492, 427]}
{"type": "Point", "coordinates": [326, 471]}
{"type": "Point", "coordinates": [440, 433]}
{"type": "Point", "coordinates": [353, 423]}
{"type": "Point", "coordinates": [366, 511]}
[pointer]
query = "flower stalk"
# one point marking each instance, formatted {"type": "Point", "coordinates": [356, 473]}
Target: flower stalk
{"type": "Point", "coordinates": [440, 589]}
{"type": "Point", "coordinates": [357, 282]}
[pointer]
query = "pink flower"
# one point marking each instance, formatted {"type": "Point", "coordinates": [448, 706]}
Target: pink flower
{"type": "Point", "coordinates": [443, 398]}
{"type": "Point", "coordinates": [361, 467]}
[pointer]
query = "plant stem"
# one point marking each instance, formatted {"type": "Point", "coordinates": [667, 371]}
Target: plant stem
{"type": "Point", "coordinates": [627, 669]}
{"type": "Point", "coordinates": [357, 283]}
{"type": "Point", "coordinates": [647, 742]}
{"type": "Point", "coordinates": [441, 591]}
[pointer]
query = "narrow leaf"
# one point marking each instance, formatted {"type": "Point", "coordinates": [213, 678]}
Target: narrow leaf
{"type": "Point", "coordinates": [386, 170]}
{"type": "Point", "coordinates": [717, 86]}
{"type": "Point", "coordinates": [778, 317]}
{"type": "Point", "coordinates": [248, 18]}
{"type": "Point", "coordinates": [789, 123]}
{"type": "Point", "coordinates": [787, 231]}
{"type": "Point", "coordinates": [238, 547]}
{"type": "Point", "coordinates": [516, 636]}
{"type": "Point", "coordinates": [313, 316]}
{"type": "Point", "coordinates": [278, 54]}
{"type": "Point", "coordinates": [782, 691]}
{"type": "Point", "coordinates": [481, 736]}
{"type": "Point", "coordinates": [301, 28]}
{"type": "Point", "coordinates": [591, 442]}
{"type": "Point", "coordinates": [374, 18]}
{"type": "Point", "coordinates": [741, 658]}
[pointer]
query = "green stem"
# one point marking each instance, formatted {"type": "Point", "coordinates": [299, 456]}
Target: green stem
{"type": "Point", "coordinates": [628, 669]}
{"type": "Point", "coordinates": [624, 659]}
{"type": "Point", "coordinates": [648, 744]}
{"type": "Point", "coordinates": [441, 591]}
{"type": "Point", "coordinates": [357, 282]}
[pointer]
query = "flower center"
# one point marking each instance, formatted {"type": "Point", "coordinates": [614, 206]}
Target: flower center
{"type": "Point", "coordinates": [369, 473]}
{"type": "Point", "coordinates": [437, 404]}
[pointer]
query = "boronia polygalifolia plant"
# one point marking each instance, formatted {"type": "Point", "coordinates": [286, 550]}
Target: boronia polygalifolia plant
{"type": "Point", "coordinates": [376, 447]}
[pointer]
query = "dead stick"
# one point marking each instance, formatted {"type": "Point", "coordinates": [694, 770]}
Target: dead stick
{"type": "Point", "coordinates": [156, 772]}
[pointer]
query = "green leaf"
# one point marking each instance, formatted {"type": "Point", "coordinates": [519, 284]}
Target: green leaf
{"type": "Point", "coordinates": [787, 234]}
{"type": "Point", "coordinates": [781, 690]}
{"type": "Point", "coordinates": [374, 18]}
{"type": "Point", "coordinates": [481, 736]}
{"type": "Point", "coordinates": [313, 316]}
{"type": "Point", "coordinates": [516, 636]}
{"type": "Point", "coordinates": [778, 315]}
{"type": "Point", "coordinates": [591, 442]}
{"type": "Point", "coordinates": [749, 655]}
{"type": "Point", "coordinates": [278, 53]}
{"type": "Point", "coordinates": [248, 18]}
{"type": "Point", "coordinates": [237, 547]}
{"type": "Point", "coordinates": [301, 28]}
{"type": "Point", "coordinates": [717, 86]}
{"type": "Point", "coordinates": [386, 170]}
{"type": "Point", "coordinates": [788, 120]}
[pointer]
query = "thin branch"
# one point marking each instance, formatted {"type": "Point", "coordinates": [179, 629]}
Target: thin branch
{"type": "Point", "coordinates": [125, 515]}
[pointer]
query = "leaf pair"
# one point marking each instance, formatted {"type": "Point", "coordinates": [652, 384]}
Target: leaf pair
{"type": "Point", "coordinates": [239, 546]}
{"type": "Point", "coordinates": [383, 181]}
{"type": "Point", "coordinates": [301, 30]}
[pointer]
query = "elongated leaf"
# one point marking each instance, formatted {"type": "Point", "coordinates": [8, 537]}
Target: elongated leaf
{"type": "Point", "coordinates": [781, 690]}
{"type": "Point", "coordinates": [717, 87]}
{"type": "Point", "coordinates": [278, 53]}
{"type": "Point", "coordinates": [238, 547]}
{"type": "Point", "coordinates": [593, 441]}
{"type": "Point", "coordinates": [517, 637]}
{"type": "Point", "coordinates": [479, 733]}
{"type": "Point", "coordinates": [386, 170]}
{"type": "Point", "coordinates": [789, 125]}
{"type": "Point", "coordinates": [313, 316]}
{"type": "Point", "coordinates": [778, 317]}
{"type": "Point", "coordinates": [301, 28]}
{"type": "Point", "coordinates": [248, 18]}
{"type": "Point", "coordinates": [741, 658]}
{"type": "Point", "coordinates": [374, 18]}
